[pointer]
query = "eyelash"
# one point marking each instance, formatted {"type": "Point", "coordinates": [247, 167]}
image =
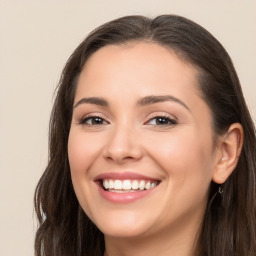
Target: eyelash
{"type": "Point", "coordinates": [84, 120]}
{"type": "Point", "coordinates": [165, 119]}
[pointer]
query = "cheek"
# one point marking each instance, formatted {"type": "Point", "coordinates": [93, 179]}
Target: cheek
{"type": "Point", "coordinates": [185, 157]}
{"type": "Point", "coordinates": [82, 150]}
{"type": "Point", "coordinates": [81, 154]}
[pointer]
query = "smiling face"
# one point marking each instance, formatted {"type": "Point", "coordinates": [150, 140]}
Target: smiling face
{"type": "Point", "coordinates": [140, 147]}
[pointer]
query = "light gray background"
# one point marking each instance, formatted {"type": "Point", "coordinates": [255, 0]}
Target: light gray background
{"type": "Point", "coordinates": [36, 38]}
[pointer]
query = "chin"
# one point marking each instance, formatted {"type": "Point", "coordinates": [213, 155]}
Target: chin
{"type": "Point", "coordinates": [123, 225]}
{"type": "Point", "coordinates": [122, 232]}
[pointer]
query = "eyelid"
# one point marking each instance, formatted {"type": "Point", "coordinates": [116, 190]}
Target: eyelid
{"type": "Point", "coordinates": [83, 119]}
{"type": "Point", "coordinates": [173, 119]}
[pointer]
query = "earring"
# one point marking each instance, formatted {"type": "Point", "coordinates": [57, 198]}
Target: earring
{"type": "Point", "coordinates": [217, 196]}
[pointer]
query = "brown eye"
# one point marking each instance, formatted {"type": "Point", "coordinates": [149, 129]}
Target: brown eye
{"type": "Point", "coordinates": [161, 120]}
{"type": "Point", "coordinates": [93, 120]}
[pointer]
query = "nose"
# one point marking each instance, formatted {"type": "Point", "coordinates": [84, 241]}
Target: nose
{"type": "Point", "coordinates": [123, 145]}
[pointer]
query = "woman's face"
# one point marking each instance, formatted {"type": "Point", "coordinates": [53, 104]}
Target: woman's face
{"type": "Point", "coordinates": [141, 130]}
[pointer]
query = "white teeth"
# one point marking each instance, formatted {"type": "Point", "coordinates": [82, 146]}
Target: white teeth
{"type": "Point", "coordinates": [110, 184]}
{"type": "Point", "coordinates": [127, 184]}
{"type": "Point", "coordinates": [142, 185]}
{"type": "Point", "coordinates": [124, 186]}
{"type": "Point", "coordinates": [147, 186]}
{"type": "Point", "coordinates": [153, 185]}
{"type": "Point", "coordinates": [105, 184]}
{"type": "Point", "coordinates": [135, 184]}
{"type": "Point", "coordinates": [118, 184]}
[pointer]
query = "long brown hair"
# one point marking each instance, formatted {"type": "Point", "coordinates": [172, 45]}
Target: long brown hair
{"type": "Point", "coordinates": [229, 225]}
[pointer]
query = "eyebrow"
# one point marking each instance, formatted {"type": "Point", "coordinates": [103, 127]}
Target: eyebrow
{"type": "Point", "coordinates": [156, 99]}
{"type": "Point", "coordinates": [92, 100]}
{"type": "Point", "coordinates": [148, 100]}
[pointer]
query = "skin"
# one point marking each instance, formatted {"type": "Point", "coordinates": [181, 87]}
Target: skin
{"type": "Point", "coordinates": [129, 138]}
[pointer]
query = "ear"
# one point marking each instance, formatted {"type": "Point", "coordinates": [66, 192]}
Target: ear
{"type": "Point", "coordinates": [230, 146]}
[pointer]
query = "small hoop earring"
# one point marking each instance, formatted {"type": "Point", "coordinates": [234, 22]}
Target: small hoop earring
{"type": "Point", "coordinates": [218, 194]}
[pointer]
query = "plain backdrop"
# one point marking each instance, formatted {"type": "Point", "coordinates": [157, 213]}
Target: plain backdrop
{"type": "Point", "coordinates": [36, 38]}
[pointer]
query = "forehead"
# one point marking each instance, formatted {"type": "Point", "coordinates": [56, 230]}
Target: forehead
{"type": "Point", "coordinates": [144, 65]}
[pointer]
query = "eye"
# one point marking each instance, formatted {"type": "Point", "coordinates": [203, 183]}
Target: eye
{"type": "Point", "coordinates": [93, 120]}
{"type": "Point", "coordinates": [161, 121]}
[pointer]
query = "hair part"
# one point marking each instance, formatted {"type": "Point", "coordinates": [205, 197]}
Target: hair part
{"type": "Point", "coordinates": [229, 225]}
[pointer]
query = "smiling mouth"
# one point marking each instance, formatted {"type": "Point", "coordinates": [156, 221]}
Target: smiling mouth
{"type": "Point", "coordinates": [127, 186]}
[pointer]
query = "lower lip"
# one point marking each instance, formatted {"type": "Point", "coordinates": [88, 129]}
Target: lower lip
{"type": "Point", "coordinates": [124, 197]}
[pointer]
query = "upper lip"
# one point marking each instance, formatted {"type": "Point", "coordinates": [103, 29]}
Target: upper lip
{"type": "Point", "coordinates": [124, 176]}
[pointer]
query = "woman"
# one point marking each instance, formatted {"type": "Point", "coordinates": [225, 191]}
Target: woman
{"type": "Point", "coordinates": [152, 147]}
